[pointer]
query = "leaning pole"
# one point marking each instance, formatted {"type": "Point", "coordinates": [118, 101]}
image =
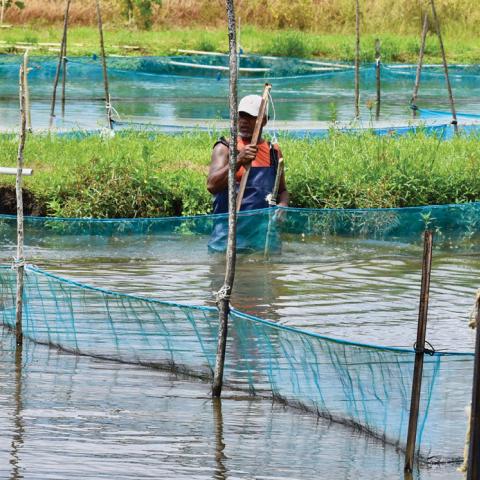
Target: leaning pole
{"type": "Point", "coordinates": [223, 296]}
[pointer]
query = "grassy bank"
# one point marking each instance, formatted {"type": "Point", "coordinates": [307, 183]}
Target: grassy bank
{"type": "Point", "coordinates": [460, 47]}
{"type": "Point", "coordinates": [136, 175]}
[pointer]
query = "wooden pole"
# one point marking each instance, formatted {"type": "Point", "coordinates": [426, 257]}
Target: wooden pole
{"type": "Point", "coordinates": [419, 351]}
{"type": "Point", "coordinates": [64, 70]}
{"type": "Point", "coordinates": [377, 77]}
{"type": "Point", "coordinates": [416, 87]}
{"type": "Point", "coordinates": [27, 92]}
{"type": "Point", "coordinates": [445, 67]}
{"type": "Point", "coordinates": [255, 138]}
{"type": "Point", "coordinates": [473, 470]}
{"type": "Point", "coordinates": [59, 65]}
{"type": "Point", "coordinates": [20, 260]}
{"type": "Point", "coordinates": [357, 60]}
{"type": "Point", "coordinates": [2, 13]}
{"type": "Point", "coordinates": [104, 66]}
{"type": "Point", "coordinates": [223, 296]}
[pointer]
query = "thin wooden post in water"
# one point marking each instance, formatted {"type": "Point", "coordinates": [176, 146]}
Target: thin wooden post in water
{"type": "Point", "coordinates": [223, 296]}
{"type": "Point", "coordinates": [20, 260]}
{"type": "Point", "coordinates": [2, 12]}
{"type": "Point", "coordinates": [445, 67]}
{"type": "Point", "coordinates": [27, 92]}
{"type": "Point", "coordinates": [64, 69]}
{"type": "Point", "coordinates": [104, 66]}
{"type": "Point", "coordinates": [419, 66]}
{"type": "Point", "coordinates": [377, 77]}
{"type": "Point", "coordinates": [419, 351]}
{"type": "Point", "coordinates": [59, 65]}
{"type": "Point", "coordinates": [473, 471]}
{"type": "Point", "coordinates": [357, 60]}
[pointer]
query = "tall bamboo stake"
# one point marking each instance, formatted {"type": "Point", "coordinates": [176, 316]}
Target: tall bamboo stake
{"type": "Point", "coordinates": [2, 12]}
{"type": "Point", "coordinates": [104, 66]}
{"type": "Point", "coordinates": [377, 77]}
{"type": "Point", "coordinates": [59, 65]}
{"type": "Point", "coordinates": [64, 70]}
{"type": "Point", "coordinates": [224, 293]}
{"type": "Point", "coordinates": [27, 92]}
{"type": "Point", "coordinates": [419, 351]}
{"type": "Point", "coordinates": [416, 87]}
{"type": "Point", "coordinates": [20, 260]}
{"type": "Point", "coordinates": [445, 67]}
{"type": "Point", "coordinates": [473, 471]}
{"type": "Point", "coordinates": [357, 59]}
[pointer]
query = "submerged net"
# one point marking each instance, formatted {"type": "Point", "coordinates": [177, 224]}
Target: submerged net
{"type": "Point", "coordinates": [364, 386]}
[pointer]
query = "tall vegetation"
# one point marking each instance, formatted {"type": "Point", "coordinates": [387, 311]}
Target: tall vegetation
{"type": "Point", "coordinates": [139, 12]}
{"type": "Point", "coordinates": [322, 16]}
{"type": "Point", "coordinates": [145, 175]}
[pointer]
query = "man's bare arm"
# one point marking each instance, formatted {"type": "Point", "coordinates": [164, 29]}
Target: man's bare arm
{"type": "Point", "coordinates": [218, 174]}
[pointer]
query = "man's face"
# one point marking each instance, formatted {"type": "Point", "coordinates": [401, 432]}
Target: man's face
{"type": "Point", "coordinates": [246, 124]}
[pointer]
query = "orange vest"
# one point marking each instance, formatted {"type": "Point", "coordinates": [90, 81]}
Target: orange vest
{"type": "Point", "coordinates": [261, 160]}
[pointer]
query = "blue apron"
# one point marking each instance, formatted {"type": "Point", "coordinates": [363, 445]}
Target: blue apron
{"type": "Point", "coordinates": [251, 229]}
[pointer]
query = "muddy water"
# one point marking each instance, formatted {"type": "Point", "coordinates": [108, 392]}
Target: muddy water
{"type": "Point", "coordinates": [69, 417]}
{"type": "Point", "coordinates": [63, 416]}
{"type": "Point", "coordinates": [360, 291]}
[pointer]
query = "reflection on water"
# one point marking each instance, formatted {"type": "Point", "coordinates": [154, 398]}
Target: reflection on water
{"type": "Point", "coordinates": [361, 291]}
{"type": "Point", "coordinates": [19, 429]}
{"type": "Point", "coordinates": [65, 416]}
{"type": "Point", "coordinates": [79, 417]}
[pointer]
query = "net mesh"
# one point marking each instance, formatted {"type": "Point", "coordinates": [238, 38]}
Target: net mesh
{"type": "Point", "coordinates": [362, 385]}
{"type": "Point", "coordinates": [456, 226]}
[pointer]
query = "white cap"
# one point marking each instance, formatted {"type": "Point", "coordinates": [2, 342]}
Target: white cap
{"type": "Point", "coordinates": [251, 105]}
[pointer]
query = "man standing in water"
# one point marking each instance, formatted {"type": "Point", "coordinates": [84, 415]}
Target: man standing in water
{"type": "Point", "coordinates": [263, 159]}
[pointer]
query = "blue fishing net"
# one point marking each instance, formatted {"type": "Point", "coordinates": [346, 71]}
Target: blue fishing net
{"type": "Point", "coordinates": [162, 90]}
{"type": "Point", "coordinates": [456, 226]}
{"type": "Point", "coordinates": [363, 386]}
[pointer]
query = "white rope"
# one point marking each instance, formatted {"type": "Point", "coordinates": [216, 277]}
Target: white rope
{"type": "Point", "coordinates": [18, 262]}
{"type": "Point", "coordinates": [222, 294]}
{"type": "Point", "coordinates": [274, 130]}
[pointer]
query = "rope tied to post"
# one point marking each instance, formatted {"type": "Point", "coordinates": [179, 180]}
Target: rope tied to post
{"type": "Point", "coordinates": [222, 294]}
{"type": "Point", "coordinates": [18, 262]}
{"type": "Point", "coordinates": [427, 351]}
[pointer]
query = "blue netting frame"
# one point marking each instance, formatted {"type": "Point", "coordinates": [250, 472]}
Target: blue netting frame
{"type": "Point", "coordinates": [363, 386]}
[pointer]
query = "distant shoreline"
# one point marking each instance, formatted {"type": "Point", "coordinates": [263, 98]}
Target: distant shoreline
{"type": "Point", "coordinates": [395, 48]}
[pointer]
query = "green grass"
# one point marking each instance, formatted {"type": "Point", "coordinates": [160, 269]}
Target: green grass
{"type": "Point", "coordinates": [139, 175]}
{"type": "Point", "coordinates": [460, 47]}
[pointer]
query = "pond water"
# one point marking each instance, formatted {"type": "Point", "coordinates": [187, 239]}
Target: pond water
{"type": "Point", "coordinates": [64, 416]}
{"type": "Point", "coordinates": [67, 416]}
{"type": "Point", "coordinates": [166, 99]}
